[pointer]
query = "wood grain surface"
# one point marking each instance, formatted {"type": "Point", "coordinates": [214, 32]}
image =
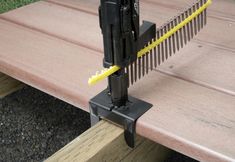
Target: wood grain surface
{"type": "Point", "coordinates": [105, 142]}
{"type": "Point", "coordinates": [8, 85]}
{"type": "Point", "coordinates": [49, 64]}
{"type": "Point", "coordinates": [160, 11]}
{"type": "Point", "coordinates": [192, 93]}
{"type": "Point", "coordinates": [204, 48]}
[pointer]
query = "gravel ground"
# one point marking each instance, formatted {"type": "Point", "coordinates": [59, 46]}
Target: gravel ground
{"type": "Point", "coordinates": [34, 125]}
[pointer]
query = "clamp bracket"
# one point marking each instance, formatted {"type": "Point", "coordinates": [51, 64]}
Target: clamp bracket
{"type": "Point", "coordinates": [126, 116]}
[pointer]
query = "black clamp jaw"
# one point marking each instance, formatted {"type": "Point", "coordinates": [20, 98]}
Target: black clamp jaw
{"type": "Point", "coordinates": [122, 39]}
{"type": "Point", "coordinates": [101, 106]}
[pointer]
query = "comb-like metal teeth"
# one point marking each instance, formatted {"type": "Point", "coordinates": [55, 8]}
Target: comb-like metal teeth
{"type": "Point", "coordinates": [166, 44]}
{"type": "Point", "coordinates": [143, 65]}
{"type": "Point", "coordinates": [155, 55]}
{"type": "Point", "coordinates": [205, 14]}
{"type": "Point", "coordinates": [151, 58]}
{"type": "Point", "coordinates": [147, 63]}
{"type": "Point", "coordinates": [184, 29]}
{"type": "Point", "coordinates": [169, 39]}
{"type": "Point", "coordinates": [158, 48]}
{"type": "Point", "coordinates": [187, 25]}
{"type": "Point", "coordinates": [191, 23]}
{"type": "Point", "coordinates": [177, 35]}
{"type": "Point", "coordinates": [181, 31]}
{"type": "Point", "coordinates": [202, 14]}
{"type": "Point", "coordinates": [195, 21]}
{"type": "Point", "coordinates": [169, 46]}
{"type": "Point", "coordinates": [139, 66]}
{"type": "Point", "coordinates": [173, 37]}
{"type": "Point", "coordinates": [205, 19]}
{"type": "Point", "coordinates": [135, 69]}
{"type": "Point", "coordinates": [198, 17]}
{"type": "Point", "coordinates": [162, 45]}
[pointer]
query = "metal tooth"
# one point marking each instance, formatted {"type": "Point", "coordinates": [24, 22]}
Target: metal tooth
{"type": "Point", "coordinates": [191, 23]}
{"type": "Point", "coordinates": [198, 17]}
{"type": "Point", "coordinates": [184, 29]}
{"type": "Point", "coordinates": [205, 14]}
{"type": "Point", "coordinates": [162, 44]}
{"type": "Point", "coordinates": [151, 58]}
{"type": "Point", "coordinates": [181, 32]}
{"type": "Point", "coordinates": [147, 63]}
{"type": "Point", "coordinates": [173, 38]}
{"type": "Point", "coordinates": [195, 21]}
{"type": "Point", "coordinates": [139, 67]}
{"type": "Point", "coordinates": [166, 45]}
{"type": "Point", "coordinates": [169, 39]}
{"type": "Point", "coordinates": [143, 65]}
{"type": "Point", "coordinates": [177, 35]}
{"type": "Point", "coordinates": [202, 14]}
{"type": "Point", "coordinates": [132, 77]}
{"type": "Point", "coordinates": [155, 55]}
{"type": "Point", "coordinates": [158, 48]}
{"type": "Point", "coordinates": [188, 28]}
{"type": "Point", "coordinates": [135, 71]}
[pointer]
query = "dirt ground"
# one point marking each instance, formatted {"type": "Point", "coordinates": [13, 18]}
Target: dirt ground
{"type": "Point", "coordinates": [34, 125]}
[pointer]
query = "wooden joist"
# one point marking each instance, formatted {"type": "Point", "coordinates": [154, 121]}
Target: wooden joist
{"type": "Point", "coordinates": [105, 142]}
{"type": "Point", "coordinates": [8, 85]}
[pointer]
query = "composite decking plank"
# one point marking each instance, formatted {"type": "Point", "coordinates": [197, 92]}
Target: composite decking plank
{"type": "Point", "coordinates": [159, 12]}
{"type": "Point", "coordinates": [198, 62]}
{"type": "Point", "coordinates": [49, 64]}
{"type": "Point", "coordinates": [185, 116]}
{"type": "Point", "coordinates": [188, 118]}
{"type": "Point", "coordinates": [219, 8]}
{"type": "Point", "coordinates": [218, 31]}
{"type": "Point", "coordinates": [68, 24]}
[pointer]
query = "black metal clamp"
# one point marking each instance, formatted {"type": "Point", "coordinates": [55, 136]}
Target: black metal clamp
{"type": "Point", "coordinates": [101, 107]}
{"type": "Point", "coordinates": [123, 38]}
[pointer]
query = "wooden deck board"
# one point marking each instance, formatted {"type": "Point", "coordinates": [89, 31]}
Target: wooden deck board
{"type": "Point", "coordinates": [186, 117]}
{"type": "Point", "coordinates": [46, 17]}
{"type": "Point", "coordinates": [49, 64]}
{"type": "Point", "coordinates": [160, 11]}
{"type": "Point", "coordinates": [222, 8]}
{"type": "Point", "coordinates": [150, 11]}
{"type": "Point", "coordinates": [197, 62]}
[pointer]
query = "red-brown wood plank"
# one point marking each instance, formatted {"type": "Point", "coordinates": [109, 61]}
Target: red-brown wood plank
{"type": "Point", "coordinates": [49, 64]}
{"type": "Point", "coordinates": [198, 62]}
{"type": "Point", "coordinates": [220, 24]}
{"type": "Point", "coordinates": [187, 117]}
{"type": "Point", "coordinates": [60, 21]}
{"type": "Point", "coordinates": [221, 35]}
{"type": "Point", "coordinates": [184, 117]}
{"type": "Point", "coordinates": [220, 8]}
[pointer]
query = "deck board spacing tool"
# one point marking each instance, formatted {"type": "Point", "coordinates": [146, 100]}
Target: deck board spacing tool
{"type": "Point", "coordinates": [131, 51]}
